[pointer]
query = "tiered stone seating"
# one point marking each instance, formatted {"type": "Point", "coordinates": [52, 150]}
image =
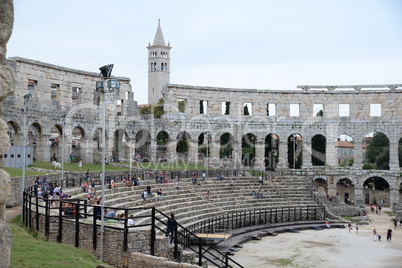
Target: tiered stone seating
{"type": "Point", "coordinates": [190, 204]}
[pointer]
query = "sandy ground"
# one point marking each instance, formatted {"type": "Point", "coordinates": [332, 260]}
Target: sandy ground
{"type": "Point", "coordinates": [330, 248]}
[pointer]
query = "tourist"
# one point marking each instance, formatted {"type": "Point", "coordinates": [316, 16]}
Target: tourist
{"type": "Point", "coordinates": [130, 221]}
{"type": "Point", "coordinates": [178, 186]}
{"type": "Point", "coordinates": [260, 180]}
{"type": "Point", "coordinates": [44, 183]}
{"type": "Point", "coordinates": [207, 194]}
{"type": "Point", "coordinates": [71, 158]}
{"type": "Point", "coordinates": [395, 223]}
{"type": "Point", "coordinates": [171, 227]}
{"type": "Point", "coordinates": [231, 183]}
{"type": "Point", "coordinates": [375, 234]}
{"type": "Point", "coordinates": [389, 234]}
{"type": "Point", "coordinates": [111, 213]}
{"type": "Point", "coordinates": [203, 176]}
{"type": "Point", "coordinates": [144, 196]}
{"type": "Point", "coordinates": [357, 228]}
{"type": "Point", "coordinates": [350, 227]}
{"type": "Point", "coordinates": [84, 187]}
{"type": "Point", "coordinates": [159, 192]}
{"type": "Point", "coordinates": [87, 175]}
{"type": "Point", "coordinates": [327, 225]}
{"type": "Point", "coordinates": [80, 165]}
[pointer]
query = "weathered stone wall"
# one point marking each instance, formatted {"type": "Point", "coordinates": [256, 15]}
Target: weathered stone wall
{"type": "Point", "coordinates": [6, 88]}
{"type": "Point", "coordinates": [73, 94]}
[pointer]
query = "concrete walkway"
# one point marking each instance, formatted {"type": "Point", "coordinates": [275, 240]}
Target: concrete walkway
{"type": "Point", "coordinates": [13, 212]}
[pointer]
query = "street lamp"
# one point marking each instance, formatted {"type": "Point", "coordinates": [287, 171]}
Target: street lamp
{"type": "Point", "coordinates": [208, 139]}
{"type": "Point", "coordinates": [106, 72]}
{"type": "Point", "coordinates": [131, 147]}
{"type": "Point", "coordinates": [63, 123]}
{"type": "Point", "coordinates": [24, 144]}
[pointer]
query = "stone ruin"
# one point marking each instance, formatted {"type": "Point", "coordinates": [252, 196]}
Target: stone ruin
{"type": "Point", "coordinates": [6, 88]}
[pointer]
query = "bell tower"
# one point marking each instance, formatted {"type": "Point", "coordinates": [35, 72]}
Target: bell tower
{"type": "Point", "coordinates": [158, 66]}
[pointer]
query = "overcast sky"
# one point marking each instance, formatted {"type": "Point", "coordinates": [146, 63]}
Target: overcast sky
{"type": "Point", "coordinates": [241, 44]}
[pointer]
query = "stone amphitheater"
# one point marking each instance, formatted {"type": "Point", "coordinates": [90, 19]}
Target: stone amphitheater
{"type": "Point", "coordinates": [292, 133]}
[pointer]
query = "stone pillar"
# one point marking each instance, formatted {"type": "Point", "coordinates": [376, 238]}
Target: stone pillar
{"type": "Point", "coordinates": [358, 156]}
{"type": "Point", "coordinates": [237, 155]}
{"type": "Point", "coordinates": [171, 154]}
{"type": "Point", "coordinates": [306, 155]}
{"type": "Point", "coordinates": [330, 154]}
{"type": "Point", "coordinates": [42, 150]}
{"type": "Point", "coordinates": [214, 158]}
{"type": "Point", "coordinates": [259, 154]}
{"type": "Point", "coordinates": [283, 155]}
{"type": "Point", "coordinates": [393, 197]}
{"type": "Point", "coordinates": [393, 156]}
{"type": "Point", "coordinates": [359, 196]}
{"type": "Point", "coordinates": [86, 152]}
{"type": "Point", "coordinates": [331, 184]}
{"type": "Point", "coordinates": [193, 151]}
{"type": "Point", "coordinates": [153, 148]}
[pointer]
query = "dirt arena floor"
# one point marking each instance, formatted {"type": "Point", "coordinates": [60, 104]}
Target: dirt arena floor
{"type": "Point", "coordinates": [330, 248]}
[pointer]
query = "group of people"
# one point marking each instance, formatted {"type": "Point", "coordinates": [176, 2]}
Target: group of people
{"type": "Point", "coordinates": [377, 235]}
{"type": "Point", "coordinates": [112, 216]}
{"type": "Point", "coordinates": [147, 194]}
{"type": "Point", "coordinates": [43, 189]}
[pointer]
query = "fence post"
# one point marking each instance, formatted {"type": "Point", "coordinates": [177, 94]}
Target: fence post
{"type": "Point", "coordinates": [94, 230]}
{"type": "Point", "coordinates": [77, 225]}
{"type": "Point", "coordinates": [60, 231]}
{"type": "Point", "coordinates": [176, 250]}
{"type": "Point", "coordinates": [29, 223]}
{"type": "Point", "coordinates": [37, 213]}
{"type": "Point", "coordinates": [153, 234]}
{"type": "Point", "coordinates": [125, 247]}
{"type": "Point", "coordinates": [47, 221]}
{"type": "Point", "coordinates": [199, 252]}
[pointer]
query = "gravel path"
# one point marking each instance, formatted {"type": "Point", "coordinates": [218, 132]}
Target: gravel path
{"type": "Point", "coordinates": [331, 248]}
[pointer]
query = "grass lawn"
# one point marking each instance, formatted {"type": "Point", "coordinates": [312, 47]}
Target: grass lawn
{"type": "Point", "coordinates": [74, 167]}
{"type": "Point", "coordinates": [17, 172]}
{"type": "Point", "coordinates": [31, 250]}
{"type": "Point", "coordinates": [165, 166]}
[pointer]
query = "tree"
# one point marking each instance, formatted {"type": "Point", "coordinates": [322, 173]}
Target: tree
{"type": "Point", "coordinates": [155, 109]}
{"type": "Point", "coordinates": [378, 151]}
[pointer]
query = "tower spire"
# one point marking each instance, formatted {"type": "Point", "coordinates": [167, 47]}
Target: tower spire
{"type": "Point", "coordinates": [159, 40]}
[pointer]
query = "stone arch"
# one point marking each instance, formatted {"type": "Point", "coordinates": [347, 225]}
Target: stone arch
{"type": "Point", "coordinates": [77, 142]}
{"type": "Point", "coordinates": [35, 139]}
{"type": "Point", "coordinates": [204, 140]}
{"type": "Point", "coordinates": [345, 150]}
{"type": "Point", "coordinates": [376, 188]}
{"type": "Point", "coordinates": [97, 146]}
{"type": "Point", "coordinates": [183, 145]}
{"type": "Point", "coordinates": [120, 145]}
{"type": "Point", "coordinates": [375, 151]}
{"type": "Point", "coordinates": [345, 189]}
{"type": "Point", "coordinates": [295, 151]}
{"type": "Point", "coordinates": [248, 142]}
{"type": "Point", "coordinates": [318, 150]}
{"type": "Point", "coordinates": [321, 182]}
{"type": "Point", "coordinates": [143, 145]}
{"type": "Point", "coordinates": [14, 133]}
{"type": "Point", "coordinates": [162, 141]}
{"type": "Point", "coordinates": [55, 139]}
{"type": "Point", "coordinates": [271, 151]}
{"type": "Point", "coordinates": [226, 142]}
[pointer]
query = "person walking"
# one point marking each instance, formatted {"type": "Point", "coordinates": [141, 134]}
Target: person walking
{"type": "Point", "coordinates": [389, 234]}
{"type": "Point", "coordinates": [375, 234]}
{"type": "Point", "coordinates": [171, 227]}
